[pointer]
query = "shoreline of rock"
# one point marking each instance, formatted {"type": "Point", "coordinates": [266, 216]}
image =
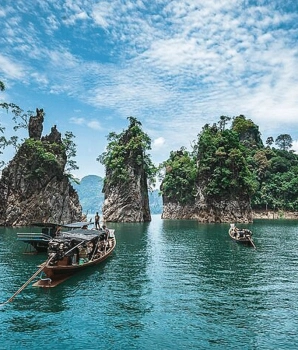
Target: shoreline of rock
{"type": "Point", "coordinates": [273, 215]}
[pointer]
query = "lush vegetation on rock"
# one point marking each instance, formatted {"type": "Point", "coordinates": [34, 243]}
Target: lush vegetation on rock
{"type": "Point", "coordinates": [129, 149]}
{"type": "Point", "coordinates": [234, 162]}
{"type": "Point", "coordinates": [222, 167]}
{"type": "Point", "coordinates": [43, 157]}
{"type": "Point", "coordinates": [180, 177]}
{"type": "Point", "coordinates": [44, 154]}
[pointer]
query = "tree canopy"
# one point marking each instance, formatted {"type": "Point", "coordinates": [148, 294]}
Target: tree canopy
{"type": "Point", "coordinates": [284, 142]}
{"type": "Point", "coordinates": [128, 149]}
{"type": "Point", "coordinates": [180, 176]}
{"type": "Point", "coordinates": [234, 161]}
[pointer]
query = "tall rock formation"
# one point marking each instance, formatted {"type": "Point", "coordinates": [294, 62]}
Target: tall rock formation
{"type": "Point", "coordinates": [128, 200]}
{"type": "Point", "coordinates": [33, 187]}
{"type": "Point", "coordinates": [127, 167]}
{"type": "Point", "coordinates": [215, 182]}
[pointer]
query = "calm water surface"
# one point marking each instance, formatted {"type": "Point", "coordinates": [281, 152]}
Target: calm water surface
{"type": "Point", "coordinates": [168, 285]}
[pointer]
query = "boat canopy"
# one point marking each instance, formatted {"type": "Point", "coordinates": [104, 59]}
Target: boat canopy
{"type": "Point", "coordinates": [78, 224]}
{"type": "Point", "coordinates": [80, 235]}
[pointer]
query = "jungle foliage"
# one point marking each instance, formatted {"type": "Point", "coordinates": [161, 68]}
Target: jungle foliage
{"type": "Point", "coordinates": [43, 157]}
{"type": "Point", "coordinates": [127, 151]}
{"type": "Point", "coordinates": [233, 161]}
{"type": "Point", "coordinates": [180, 177]}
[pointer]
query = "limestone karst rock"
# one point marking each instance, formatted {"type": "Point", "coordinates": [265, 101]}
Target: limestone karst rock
{"type": "Point", "coordinates": [226, 210]}
{"type": "Point", "coordinates": [125, 187]}
{"type": "Point", "coordinates": [127, 201]}
{"type": "Point", "coordinates": [36, 124]}
{"type": "Point", "coordinates": [33, 187]}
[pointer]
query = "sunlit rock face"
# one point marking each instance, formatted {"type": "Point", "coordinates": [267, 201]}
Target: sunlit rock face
{"type": "Point", "coordinates": [210, 210]}
{"type": "Point", "coordinates": [127, 201]}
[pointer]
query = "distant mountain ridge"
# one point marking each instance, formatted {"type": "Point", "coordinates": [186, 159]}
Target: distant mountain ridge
{"type": "Point", "coordinates": [91, 197]}
{"type": "Point", "coordinates": [90, 193]}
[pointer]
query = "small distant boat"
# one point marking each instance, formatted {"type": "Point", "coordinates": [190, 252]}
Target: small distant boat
{"type": "Point", "coordinates": [241, 235]}
{"type": "Point", "coordinates": [74, 251]}
{"type": "Point", "coordinates": [40, 240]}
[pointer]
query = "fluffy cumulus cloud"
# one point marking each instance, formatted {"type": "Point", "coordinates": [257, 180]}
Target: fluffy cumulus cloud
{"type": "Point", "coordinates": [94, 124]}
{"type": "Point", "coordinates": [158, 143]}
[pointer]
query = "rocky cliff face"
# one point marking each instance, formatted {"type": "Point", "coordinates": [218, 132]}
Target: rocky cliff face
{"type": "Point", "coordinates": [230, 210]}
{"type": "Point", "coordinates": [127, 167]}
{"type": "Point", "coordinates": [33, 187]}
{"type": "Point", "coordinates": [127, 201]}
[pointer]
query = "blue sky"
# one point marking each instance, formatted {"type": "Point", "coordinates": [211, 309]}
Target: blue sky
{"type": "Point", "coordinates": [174, 65]}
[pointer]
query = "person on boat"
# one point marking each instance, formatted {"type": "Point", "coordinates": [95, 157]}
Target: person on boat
{"type": "Point", "coordinates": [97, 217]}
{"type": "Point", "coordinates": [57, 233]}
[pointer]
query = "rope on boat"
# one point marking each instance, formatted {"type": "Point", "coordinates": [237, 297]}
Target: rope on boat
{"type": "Point", "coordinates": [29, 280]}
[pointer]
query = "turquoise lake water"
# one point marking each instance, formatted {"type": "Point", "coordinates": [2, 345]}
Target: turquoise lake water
{"type": "Point", "coordinates": [168, 285]}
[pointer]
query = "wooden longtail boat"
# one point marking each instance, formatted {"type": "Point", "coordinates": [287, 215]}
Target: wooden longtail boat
{"type": "Point", "coordinates": [74, 251]}
{"type": "Point", "coordinates": [241, 235]}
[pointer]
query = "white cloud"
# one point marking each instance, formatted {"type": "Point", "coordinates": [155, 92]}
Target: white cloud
{"type": "Point", "coordinates": [72, 19]}
{"type": "Point", "coordinates": [295, 146]}
{"type": "Point", "coordinates": [94, 124]}
{"type": "Point", "coordinates": [101, 13]}
{"type": "Point", "coordinates": [158, 143]}
{"type": "Point", "coordinates": [10, 68]}
{"type": "Point", "coordinates": [40, 79]}
{"type": "Point", "coordinates": [79, 121]}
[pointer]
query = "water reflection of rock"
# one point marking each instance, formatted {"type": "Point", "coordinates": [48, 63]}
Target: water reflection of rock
{"type": "Point", "coordinates": [130, 282]}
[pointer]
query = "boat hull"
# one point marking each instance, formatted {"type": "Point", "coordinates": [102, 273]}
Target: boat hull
{"type": "Point", "coordinates": [63, 270]}
{"type": "Point", "coordinates": [242, 237]}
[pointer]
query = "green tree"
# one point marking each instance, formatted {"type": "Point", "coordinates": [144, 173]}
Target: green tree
{"type": "Point", "coordinates": [222, 166]}
{"type": "Point", "coordinates": [21, 120]}
{"type": "Point", "coordinates": [284, 142]}
{"type": "Point", "coordinates": [129, 149]}
{"type": "Point", "coordinates": [248, 131]}
{"type": "Point", "coordinates": [269, 141]}
{"type": "Point", "coordinates": [71, 151]}
{"type": "Point", "coordinates": [262, 165]}
{"type": "Point", "coordinates": [179, 179]}
{"type": "Point", "coordinates": [223, 122]}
